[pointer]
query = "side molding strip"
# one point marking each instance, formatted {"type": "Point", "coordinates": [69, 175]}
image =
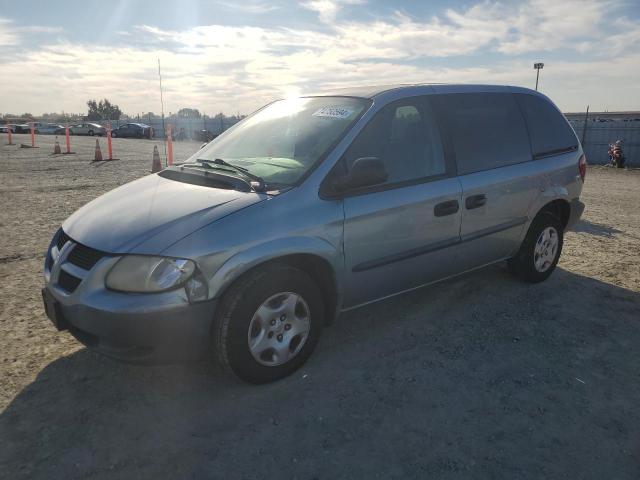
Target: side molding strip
{"type": "Point", "coordinates": [416, 252]}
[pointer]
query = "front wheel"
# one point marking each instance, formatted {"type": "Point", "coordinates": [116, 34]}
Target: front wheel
{"type": "Point", "coordinates": [91, 133]}
{"type": "Point", "coordinates": [540, 250]}
{"type": "Point", "coordinates": [269, 323]}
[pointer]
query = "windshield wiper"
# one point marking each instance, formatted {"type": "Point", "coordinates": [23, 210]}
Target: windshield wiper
{"type": "Point", "coordinates": [257, 184]}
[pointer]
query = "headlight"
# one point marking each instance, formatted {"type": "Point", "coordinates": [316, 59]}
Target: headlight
{"type": "Point", "coordinates": [138, 273]}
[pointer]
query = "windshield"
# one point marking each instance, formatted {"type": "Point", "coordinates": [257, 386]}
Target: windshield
{"type": "Point", "coordinates": [285, 139]}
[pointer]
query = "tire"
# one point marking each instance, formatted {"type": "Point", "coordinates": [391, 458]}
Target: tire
{"type": "Point", "coordinates": [530, 263]}
{"type": "Point", "coordinates": [114, 134]}
{"type": "Point", "coordinates": [91, 134]}
{"type": "Point", "coordinates": [238, 312]}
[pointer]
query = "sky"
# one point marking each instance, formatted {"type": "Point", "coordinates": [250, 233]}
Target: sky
{"type": "Point", "coordinates": [235, 56]}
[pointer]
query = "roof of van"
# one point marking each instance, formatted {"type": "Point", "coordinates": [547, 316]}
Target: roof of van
{"type": "Point", "coordinates": [375, 90]}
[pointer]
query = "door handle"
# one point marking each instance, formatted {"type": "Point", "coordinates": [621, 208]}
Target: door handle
{"type": "Point", "coordinates": [475, 201]}
{"type": "Point", "coordinates": [446, 208]}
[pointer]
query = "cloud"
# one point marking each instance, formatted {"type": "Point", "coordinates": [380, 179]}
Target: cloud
{"type": "Point", "coordinates": [11, 35]}
{"type": "Point", "coordinates": [238, 68]}
{"type": "Point", "coordinates": [251, 7]}
{"type": "Point", "coordinates": [7, 34]}
{"type": "Point", "coordinates": [328, 9]}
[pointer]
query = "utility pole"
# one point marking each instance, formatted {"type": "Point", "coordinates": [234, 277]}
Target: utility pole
{"type": "Point", "coordinates": [538, 66]}
{"type": "Point", "coordinates": [164, 130]}
{"type": "Point", "coordinates": [584, 127]}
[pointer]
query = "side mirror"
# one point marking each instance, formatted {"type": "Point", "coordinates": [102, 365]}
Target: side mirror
{"type": "Point", "coordinates": [365, 172]}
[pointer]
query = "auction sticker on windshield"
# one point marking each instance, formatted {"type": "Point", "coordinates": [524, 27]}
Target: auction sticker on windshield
{"type": "Point", "coordinates": [333, 111]}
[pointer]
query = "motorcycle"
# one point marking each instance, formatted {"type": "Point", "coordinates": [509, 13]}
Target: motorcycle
{"type": "Point", "coordinates": [616, 155]}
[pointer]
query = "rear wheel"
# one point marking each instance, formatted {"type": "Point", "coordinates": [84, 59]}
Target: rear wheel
{"type": "Point", "coordinates": [269, 323]}
{"type": "Point", "coordinates": [540, 250]}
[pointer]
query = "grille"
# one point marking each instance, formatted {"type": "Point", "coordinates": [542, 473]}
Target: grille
{"type": "Point", "coordinates": [84, 257]}
{"type": "Point", "coordinates": [62, 239]}
{"type": "Point", "coordinates": [68, 282]}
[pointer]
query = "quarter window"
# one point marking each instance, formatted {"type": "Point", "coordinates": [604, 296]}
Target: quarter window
{"type": "Point", "coordinates": [549, 130]}
{"type": "Point", "coordinates": [487, 130]}
{"type": "Point", "coordinates": [405, 136]}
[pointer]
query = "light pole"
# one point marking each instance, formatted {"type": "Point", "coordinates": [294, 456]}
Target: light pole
{"type": "Point", "coordinates": [538, 67]}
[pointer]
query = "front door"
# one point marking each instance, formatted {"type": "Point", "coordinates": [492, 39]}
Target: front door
{"type": "Point", "coordinates": [401, 234]}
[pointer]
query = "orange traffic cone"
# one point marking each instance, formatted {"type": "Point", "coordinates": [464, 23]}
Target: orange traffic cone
{"type": "Point", "coordinates": [156, 166]}
{"type": "Point", "coordinates": [98, 155]}
{"type": "Point", "coordinates": [56, 149]}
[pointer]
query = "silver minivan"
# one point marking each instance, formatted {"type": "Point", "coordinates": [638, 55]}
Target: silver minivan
{"type": "Point", "coordinates": [313, 206]}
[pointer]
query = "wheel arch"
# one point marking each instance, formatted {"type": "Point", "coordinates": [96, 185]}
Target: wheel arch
{"type": "Point", "coordinates": [321, 264]}
{"type": "Point", "coordinates": [559, 208]}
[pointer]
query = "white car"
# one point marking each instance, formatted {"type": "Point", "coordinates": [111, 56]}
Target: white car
{"type": "Point", "coordinates": [90, 129]}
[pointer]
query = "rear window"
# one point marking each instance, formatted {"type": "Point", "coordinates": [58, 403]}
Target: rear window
{"type": "Point", "coordinates": [487, 130]}
{"type": "Point", "coordinates": [550, 132]}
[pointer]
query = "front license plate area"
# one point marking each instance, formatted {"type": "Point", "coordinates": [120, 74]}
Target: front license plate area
{"type": "Point", "coordinates": [52, 309]}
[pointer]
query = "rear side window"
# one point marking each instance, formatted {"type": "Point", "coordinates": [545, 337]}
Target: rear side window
{"type": "Point", "coordinates": [550, 132]}
{"type": "Point", "coordinates": [487, 130]}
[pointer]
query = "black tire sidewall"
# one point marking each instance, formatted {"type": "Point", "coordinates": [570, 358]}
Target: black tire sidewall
{"type": "Point", "coordinates": [524, 265]}
{"type": "Point", "coordinates": [238, 308]}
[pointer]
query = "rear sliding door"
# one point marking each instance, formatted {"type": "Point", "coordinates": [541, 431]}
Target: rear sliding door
{"type": "Point", "coordinates": [493, 156]}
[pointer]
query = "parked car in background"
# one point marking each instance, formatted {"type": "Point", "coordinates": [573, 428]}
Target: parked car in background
{"type": "Point", "coordinates": [46, 128]}
{"type": "Point", "coordinates": [133, 130]}
{"type": "Point", "coordinates": [10, 126]}
{"type": "Point", "coordinates": [90, 129]}
{"type": "Point", "coordinates": [204, 136]}
{"type": "Point", "coordinates": [21, 128]}
{"type": "Point", "coordinates": [313, 206]}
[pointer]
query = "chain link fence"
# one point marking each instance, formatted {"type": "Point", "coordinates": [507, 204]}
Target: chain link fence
{"type": "Point", "coordinates": [596, 136]}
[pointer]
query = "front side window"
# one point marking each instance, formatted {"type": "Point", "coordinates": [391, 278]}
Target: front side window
{"type": "Point", "coordinates": [487, 130]}
{"type": "Point", "coordinates": [405, 136]}
{"type": "Point", "coordinates": [281, 142]}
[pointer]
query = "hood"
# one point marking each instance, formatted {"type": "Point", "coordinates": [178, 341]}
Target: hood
{"type": "Point", "coordinates": [150, 214]}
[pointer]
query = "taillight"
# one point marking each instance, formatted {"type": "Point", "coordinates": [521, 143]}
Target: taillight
{"type": "Point", "coordinates": [582, 166]}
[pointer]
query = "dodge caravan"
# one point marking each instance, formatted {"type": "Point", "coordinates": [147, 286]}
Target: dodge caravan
{"type": "Point", "coordinates": [313, 206]}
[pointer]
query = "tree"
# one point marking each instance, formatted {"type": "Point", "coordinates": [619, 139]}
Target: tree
{"type": "Point", "coordinates": [103, 110]}
{"type": "Point", "coordinates": [189, 113]}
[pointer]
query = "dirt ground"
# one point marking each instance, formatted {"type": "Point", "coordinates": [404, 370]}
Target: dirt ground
{"type": "Point", "coordinates": [479, 377]}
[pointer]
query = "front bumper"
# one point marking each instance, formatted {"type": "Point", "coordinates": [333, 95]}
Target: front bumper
{"type": "Point", "coordinates": [139, 333]}
{"type": "Point", "coordinates": [577, 208]}
{"type": "Point", "coordinates": [134, 327]}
